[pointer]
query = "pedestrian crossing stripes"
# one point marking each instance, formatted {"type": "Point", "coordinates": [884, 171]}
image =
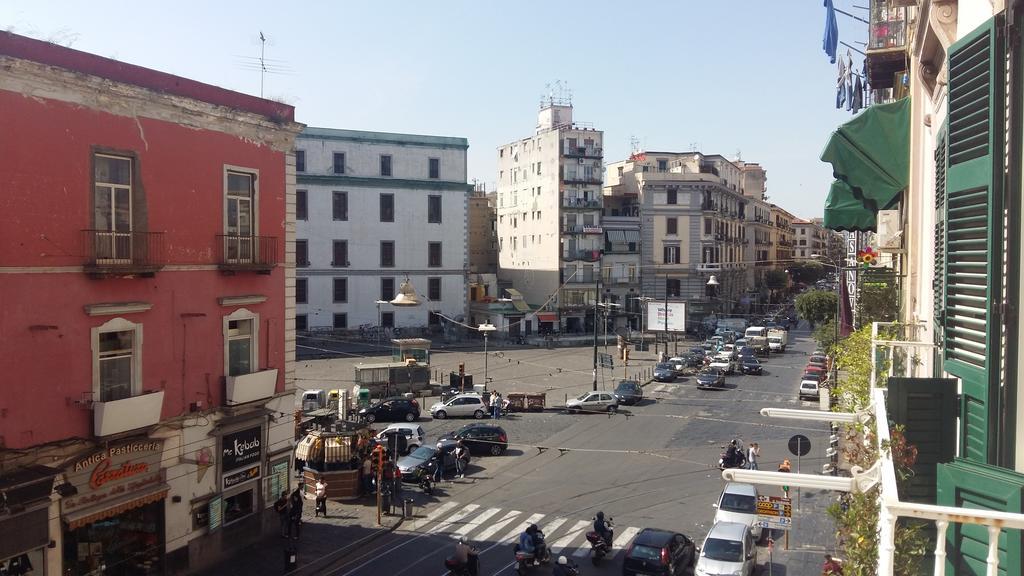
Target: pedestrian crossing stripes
{"type": "Point", "coordinates": [474, 523]}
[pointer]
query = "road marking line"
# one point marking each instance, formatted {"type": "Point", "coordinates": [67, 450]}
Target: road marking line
{"type": "Point", "coordinates": [457, 517]}
{"type": "Point", "coordinates": [493, 529]}
{"type": "Point", "coordinates": [476, 522]}
{"type": "Point", "coordinates": [569, 537]}
{"type": "Point", "coordinates": [553, 525]}
{"type": "Point", "coordinates": [434, 514]}
{"type": "Point", "coordinates": [522, 528]}
{"type": "Point", "coordinates": [622, 539]}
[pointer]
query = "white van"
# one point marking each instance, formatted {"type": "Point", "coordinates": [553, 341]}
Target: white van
{"type": "Point", "coordinates": [313, 400]}
{"type": "Point", "coordinates": [756, 332]}
{"type": "Point", "coordinates": [738, 503]}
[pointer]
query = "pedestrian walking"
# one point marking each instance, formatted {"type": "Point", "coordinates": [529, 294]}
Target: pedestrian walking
{"type": "Point", "coordinates": [321, 498]}
{"type": "Point", "coordinates": [367, 475]}
{"type": "Point", "coordinates": [295, 512]}
{"type": "Point", "coordinates": [753, 453]}
{"type": "Point", "coordinates": [460, 463]}
{"type": "Point", "coordinates": [496, 405]}
{"type": "Point", "coordinates": [281, 507]}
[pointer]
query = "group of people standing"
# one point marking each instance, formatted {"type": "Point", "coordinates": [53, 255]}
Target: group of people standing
{"type": "Point", "coordinates": [289, 511]}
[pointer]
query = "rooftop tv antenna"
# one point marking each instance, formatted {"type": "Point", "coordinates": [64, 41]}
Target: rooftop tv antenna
{"type": "Point", "coordinates": [556, 94]}
{"type": "Point", "coordinates": [263, 64]}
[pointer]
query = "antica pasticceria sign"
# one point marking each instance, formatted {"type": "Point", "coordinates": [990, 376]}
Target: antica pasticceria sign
{"type": "Point", "coordinates": [241, 448]}
{"type": "Point", "coordinates": [119, 469]}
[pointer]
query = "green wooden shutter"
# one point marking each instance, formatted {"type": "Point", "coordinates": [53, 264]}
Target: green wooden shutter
{"type": "Point", "coordinates": [973, 230]}
{"type": "Point", "coordinates": [938, 275]}
{"type": "Point", "coordinates": [927, 408]}
{"type": "Point", "coordinates": [970, 485]}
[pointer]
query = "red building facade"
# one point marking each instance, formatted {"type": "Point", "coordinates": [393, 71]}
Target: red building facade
{"type": "Point", "coordinates": [146, 266]}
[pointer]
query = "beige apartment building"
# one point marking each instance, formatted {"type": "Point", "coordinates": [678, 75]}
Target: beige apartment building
{"type": "Point", "coordinates": [691, 214]}
{"type": "Point", "coordinates": [549, 219]}
{"type": "Point", "coordinates": [782, 236]}
{"type": "Point", "coordinates": [809, 240]}
{"type": "Point", "coordinates": [481, 237]}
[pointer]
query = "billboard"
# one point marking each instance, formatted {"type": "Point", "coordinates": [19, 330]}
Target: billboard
{"type": "Point", "coordinates": [676, 316]}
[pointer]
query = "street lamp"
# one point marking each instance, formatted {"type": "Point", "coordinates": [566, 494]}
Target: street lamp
{"type": "Point", "coordinates": [486, 329]}
{"type": "Point", "coordinates": [643, 319]}
{"type": "Point", "coordinates": [379, 320]}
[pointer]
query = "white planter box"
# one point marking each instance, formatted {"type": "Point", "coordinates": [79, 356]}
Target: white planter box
{"type": "Point", "coordinates": [250, 387]}
{"type": "Point", "coordinates": [127, 414]}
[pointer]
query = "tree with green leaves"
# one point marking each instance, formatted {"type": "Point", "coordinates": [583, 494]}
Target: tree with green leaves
{"type": "Point", "coordinates": [817, 306]}
{"type": "Point", "coordinates": [807, 272]}
{"type": "Point", "coordinates": [776, 279]}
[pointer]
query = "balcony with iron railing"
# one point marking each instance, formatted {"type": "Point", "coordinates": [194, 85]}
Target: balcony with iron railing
{"type": "Point", "coordinates": [577, 178]}
{"type": "Point", "coordinates": [581, 255]}
{"type": "Point", "coordinates": [114, 253]}
{"type": "Point", "coordinates": [582, 151]}
{"type": "Point", "coordinates": [581, 203]}
{"type": "Point", "coordinates": [887, 43]}
{"type": "Point", "coordinates": [246, 253]}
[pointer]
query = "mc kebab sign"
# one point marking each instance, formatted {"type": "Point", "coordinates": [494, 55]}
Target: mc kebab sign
{"type": "Point", "coordinates": [119, 470]}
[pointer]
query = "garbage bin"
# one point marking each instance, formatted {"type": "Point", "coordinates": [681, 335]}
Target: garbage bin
{"type": "Point", "coordinates": [364, 397]}
{"type": "Point", "coordinates": [407, 508]}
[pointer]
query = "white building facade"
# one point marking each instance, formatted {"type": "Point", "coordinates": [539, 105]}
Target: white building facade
{"type": "Point", "coordinates": [373, 209]}
{"type": "Point", "coordinates": [549, 219]}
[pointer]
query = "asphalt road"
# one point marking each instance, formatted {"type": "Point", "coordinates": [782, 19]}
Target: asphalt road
{"type": "Point", "coordinates": [652, 465]}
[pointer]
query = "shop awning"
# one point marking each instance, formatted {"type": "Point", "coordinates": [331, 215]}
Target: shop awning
{"type": "Point", "coordinates": [844, 211]}
{"type": "Point", "coordinates": [615, 236]}
{"type": "Point", "coordinates": [116, 506]}
{"type": "Point", "coordinates": [309, 448]}
{"type": "Point", "coordinates": [632, 236]}
{"type": "Point", "coordinates": [337, 449]}
{"type": "Point", "coordinates": [871, 154]}
{"type": "Point", "coordinates": [547, 317]}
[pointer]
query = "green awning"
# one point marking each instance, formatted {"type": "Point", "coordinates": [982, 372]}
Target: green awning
{"type": "Point", "coordinates": [844, 211]}
{"type": "Point", "coordinates": [871, 154]}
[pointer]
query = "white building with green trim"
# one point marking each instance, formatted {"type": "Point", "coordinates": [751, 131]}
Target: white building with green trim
{"type": "Point", "coordinates": [373, 208]}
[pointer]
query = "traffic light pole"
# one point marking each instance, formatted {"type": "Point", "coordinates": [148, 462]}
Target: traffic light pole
{"type": "Point", "coordinates": [379, 456]}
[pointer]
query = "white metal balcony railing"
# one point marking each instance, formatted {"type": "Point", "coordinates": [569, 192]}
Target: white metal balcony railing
{"type": "Point", "coordinates": [883, 473]}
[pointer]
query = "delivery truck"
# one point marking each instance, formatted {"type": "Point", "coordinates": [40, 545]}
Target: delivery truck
{"type": "Point", "coordinates": [777, 339]}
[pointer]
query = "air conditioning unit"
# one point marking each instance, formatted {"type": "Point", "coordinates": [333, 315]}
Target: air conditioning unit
{"type": "Point", "coordinates": [890, 236]}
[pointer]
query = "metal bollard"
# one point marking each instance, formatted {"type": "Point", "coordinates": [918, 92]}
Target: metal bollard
{"type": "Point", "coordinates": [407, 509]}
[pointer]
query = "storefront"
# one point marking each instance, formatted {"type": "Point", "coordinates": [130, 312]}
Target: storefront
{"type": "Point", "coordinates": [113, 515]}
{"type": "Point", "coordinates": [241, 464]}
{"type": "Point", "coordinates": [24, 520]}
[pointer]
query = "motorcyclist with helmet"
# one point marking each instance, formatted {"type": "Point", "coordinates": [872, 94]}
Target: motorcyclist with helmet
{"type": "Point", "coordinates": [527, 544]}
{"type": "Point", "coordinates": [602, 527]}
{"type": "Point", "coordinates": [564, 568]}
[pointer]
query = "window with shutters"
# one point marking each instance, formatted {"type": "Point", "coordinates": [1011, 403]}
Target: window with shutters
{"type": "Point", "coordinates": [339, 162]}
{"type": "Point", "coordinates": [671, 225]}
{"type": "Point", "coordinates": [939, 267]}
{"type": "Point", "coordinates": [301, 206]}
{"type": "Point", "coordinates": [341, 289]}
{"type": "Point", "coordinates": [339, 206]}
{"type": "Point", "coordinates": [387, 289]}
{"type": "Point", "coordinates": [973, 233]}
{"type": "Point", "coordinates": [301, 285]}
{"type": "Point", "coordinates": [340, 320]}
{"type": "Point", "coordinates": [339, 257]}
{"type": "Point", "coordinates": [387, 254]}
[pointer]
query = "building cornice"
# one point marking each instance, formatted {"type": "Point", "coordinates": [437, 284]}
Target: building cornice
{"type": "Point", "coordinates": [35, 80]}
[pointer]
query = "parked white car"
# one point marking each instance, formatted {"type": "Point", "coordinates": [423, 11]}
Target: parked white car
{"type": "Point", "coordinates": [414, 434]}
{"type": "Point", "coordinates": [725, 363]}
{"type": "Point", "coordinates": [738, 503]}
{"type": "Point", "coordinates": [809, 389]}
{"type": "Point", "coordinates": [728, 549]}
{"type": "Point", "coordinates": [593, 402]}
{"type": "Point", "coordinates": [461, 405]}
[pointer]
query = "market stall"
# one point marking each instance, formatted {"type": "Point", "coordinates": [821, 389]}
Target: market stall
{"type": "Point", "coordinates": [334, 458]}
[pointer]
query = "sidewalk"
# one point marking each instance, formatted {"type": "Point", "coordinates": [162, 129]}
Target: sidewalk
{"type": "Point", "coordinates": [812, 536]}
{"type": "Point", "coordinates": [348, 525]}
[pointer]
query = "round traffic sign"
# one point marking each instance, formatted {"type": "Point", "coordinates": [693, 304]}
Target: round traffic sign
{"type": "Point", "coordinates": [799, 445]}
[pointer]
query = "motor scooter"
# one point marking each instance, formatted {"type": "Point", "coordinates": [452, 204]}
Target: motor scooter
{"type": "Point", "coordinates": [541, 554]}
{"type": "Point", "coordinates": [599, 547]}
{"type": "Point", "coordinates": [470, 568]}
{"type": "Point", "coordinates": [738, 460]}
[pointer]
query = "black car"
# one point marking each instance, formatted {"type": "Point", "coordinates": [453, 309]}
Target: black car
{"type": "Point", "coordinates": [424, 460]}
{"type": "Point", "coordinates": [750, 365]}
{"type": "Point", "coordinates": [711, 378]}
{"type": "Point", "coordinates": [664, 372]}
{"type": "Point", "coordinates": [747, 352]}
{"type": "Point", "coordinates": [481, 438]}
{"type": "Point", "coordinates": [629, 392]}
{"type": "Point", "coordinates": [396, 409]}
{"type": "Point", "coordinates": [659, 552]}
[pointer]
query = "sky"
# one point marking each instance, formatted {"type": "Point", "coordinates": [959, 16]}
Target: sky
{"type": "Point", "coordinates": [729, 77]}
